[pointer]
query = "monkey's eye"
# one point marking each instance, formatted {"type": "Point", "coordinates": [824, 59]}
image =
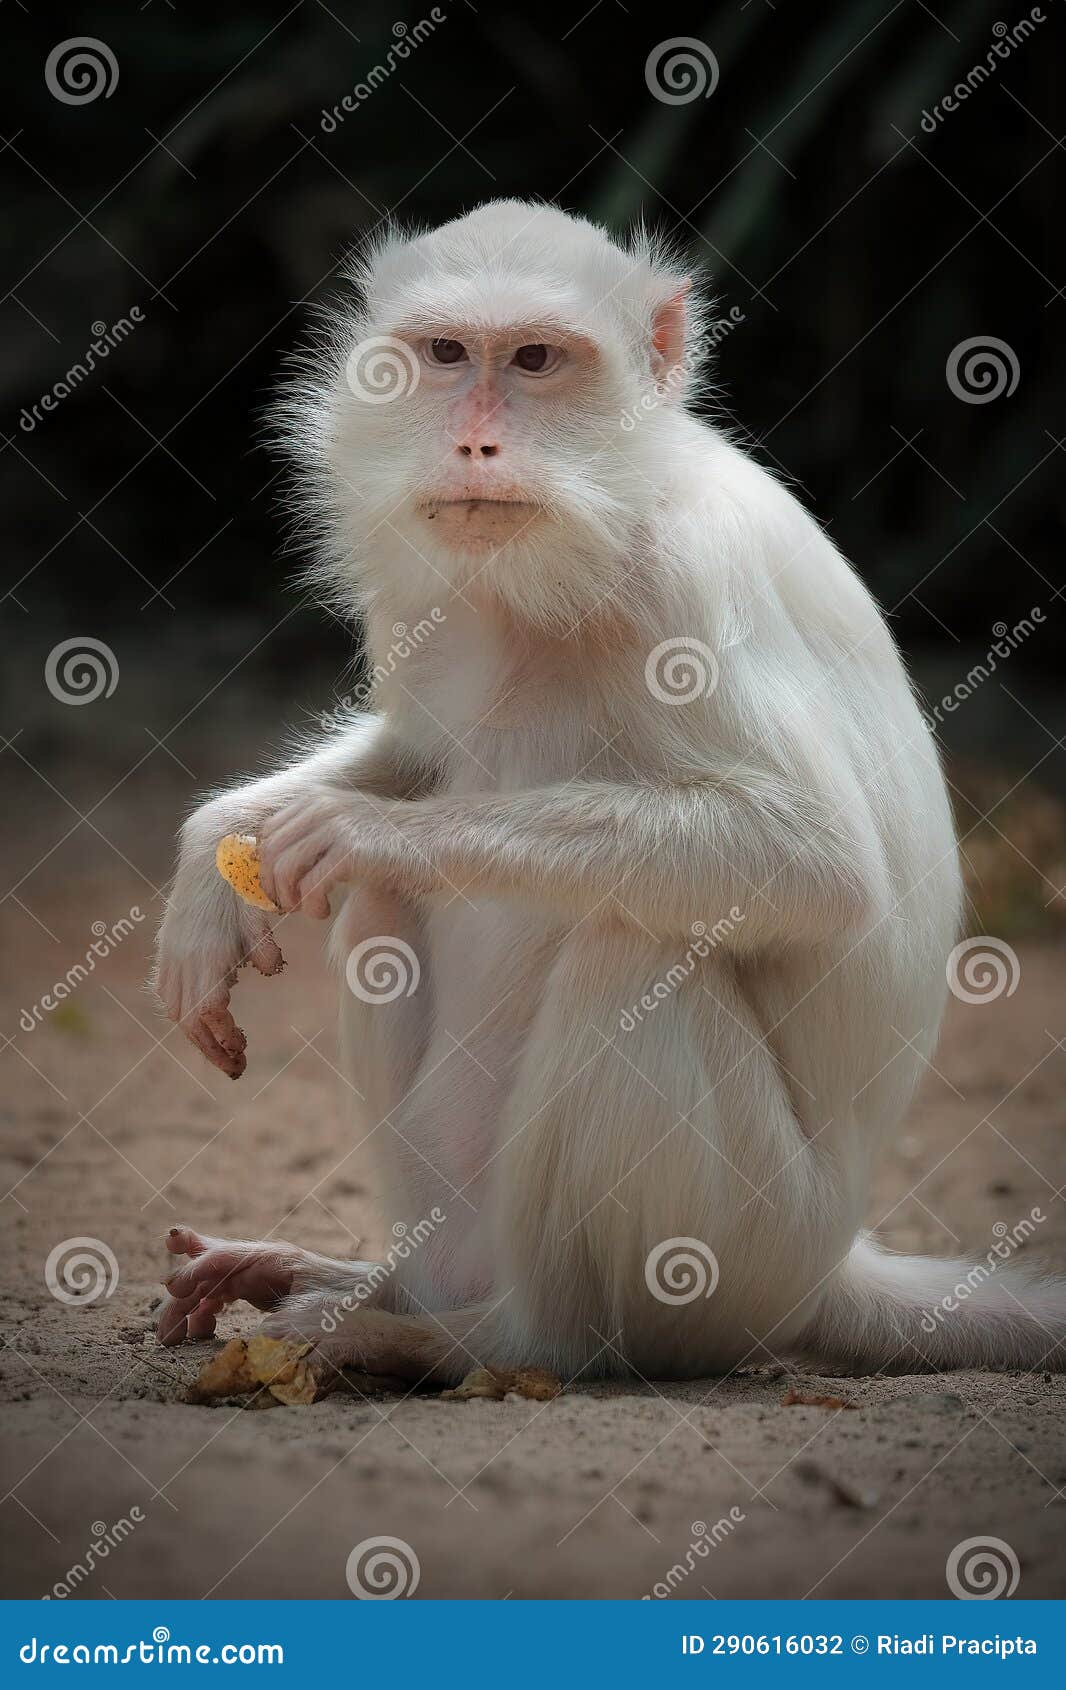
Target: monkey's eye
{"type": "Point", "coordinates": [445, 352]}
{"type": "Point", "coordinates": [538, 359]}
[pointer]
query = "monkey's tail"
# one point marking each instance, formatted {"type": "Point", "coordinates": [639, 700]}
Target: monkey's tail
{"type": "Point", "coordinates": [908, 1313]}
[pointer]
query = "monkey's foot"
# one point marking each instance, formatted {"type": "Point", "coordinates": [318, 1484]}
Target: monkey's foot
{"type": "Point", "coordinates": [223, 1271]}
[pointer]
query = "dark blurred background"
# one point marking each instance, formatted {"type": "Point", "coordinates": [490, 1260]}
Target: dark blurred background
{"type": "Point", "coordinates": [859, 229]}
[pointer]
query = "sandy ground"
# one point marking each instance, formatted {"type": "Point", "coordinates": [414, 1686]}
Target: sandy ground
{"type": "Point", "coordinates": [115, 1131]}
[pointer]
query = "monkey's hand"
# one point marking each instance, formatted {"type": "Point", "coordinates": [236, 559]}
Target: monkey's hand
{"type": "Point", "coordinates": [207, 934]}
{"type": "Point", "coordinates": [307, 848]}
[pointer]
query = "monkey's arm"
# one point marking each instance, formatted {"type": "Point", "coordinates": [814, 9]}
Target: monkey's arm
{"type": "Point", "coordinates": [795, 864]}
{"type": "Point", "coordinates": [207, 933]}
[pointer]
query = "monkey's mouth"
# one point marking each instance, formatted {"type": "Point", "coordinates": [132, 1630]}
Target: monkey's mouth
{"type": "Point", "coordinates": [430, 507]}
{"type": "Point", "coordinates": [488, 519]}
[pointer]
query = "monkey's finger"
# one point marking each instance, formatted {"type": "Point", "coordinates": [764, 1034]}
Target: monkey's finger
{"type": "Point", "coordinates": [206, 1279]}
{"type": "Point", "coordinates": [230, 1278]}
{"type": "Point", "coordinates": [266, 872]}
{"type": "Point", "coordinates": [313, 892]}
{"type": "Point", "coordinates": [231, 1037]}
{"type": "Point", "coordinates": [183, 1241]}
{"type": "Point", "coordinates": [294, 867]}
{"type": "Point", "coordinates": [215, 995]}
{"type": "Point", "coordinates": [296, 835]}
{"type": "Point", "coordinates": [172, 1324]}
{"type": "Point", "coordinates": [201, 1322]}
{"type": "Point", "coordinates": [205, 1042]}
{"type": "Point", "coordinates": [265, 955]}
{"type": "Point", "coordinates": [284, 829]}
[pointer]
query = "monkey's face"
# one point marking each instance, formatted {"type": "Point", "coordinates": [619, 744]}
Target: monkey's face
{"type": "Point", "coordinates": [483, 430]}
{"type": "Point", "coordinates": [502, 405]}
{"type": "Point", "coordinates": [503, 464]}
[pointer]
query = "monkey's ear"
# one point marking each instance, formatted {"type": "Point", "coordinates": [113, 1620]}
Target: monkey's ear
{"type": "Point", "coordinates": [668, 334]}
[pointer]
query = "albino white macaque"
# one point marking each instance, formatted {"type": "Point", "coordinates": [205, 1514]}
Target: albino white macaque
{"type": "Point", "coordinates": [651, 825]}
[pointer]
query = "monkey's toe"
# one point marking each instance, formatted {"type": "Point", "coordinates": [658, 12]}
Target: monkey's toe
{"type": "Point", "coordinates": [218, 1274]}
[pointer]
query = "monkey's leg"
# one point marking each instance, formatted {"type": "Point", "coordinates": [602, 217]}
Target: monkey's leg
{"type": "Point", "coordinates": [265, 1274]}
{"type": "Point", "coordinates": [654, 1205]}
{"type": "Point", "coordinates": [379, 953]}
{"type": "Point", "coordinates": [658, 1204]}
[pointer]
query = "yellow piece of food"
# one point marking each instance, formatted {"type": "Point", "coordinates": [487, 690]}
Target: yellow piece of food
{"type": "Point", "coordinates": [227, 1374]}
{"type": "Point", "coordinates": [237, 860]}
{"type": "Point", "coordinates": [496, 1383]}
{"type": "Point", "coordinates": [245, 1365]}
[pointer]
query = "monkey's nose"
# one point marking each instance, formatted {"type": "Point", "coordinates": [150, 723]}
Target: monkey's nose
{"type": "Point", "coordinates": [479, 448]}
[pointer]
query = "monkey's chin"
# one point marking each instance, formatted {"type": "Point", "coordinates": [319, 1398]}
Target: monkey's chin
{"type": "Point", "coordinates": [479, 523]}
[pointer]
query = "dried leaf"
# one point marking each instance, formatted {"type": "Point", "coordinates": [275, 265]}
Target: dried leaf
{"type": "Point", "coordinates": [496, 1383]}
{"type": "Point", "coordinates": [244, 1365]}
{"type": "Point", "coordinates": [227, 1374]}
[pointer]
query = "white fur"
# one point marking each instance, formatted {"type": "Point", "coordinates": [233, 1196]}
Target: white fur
{"type": "Point", "coordinates": [544, 832]}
